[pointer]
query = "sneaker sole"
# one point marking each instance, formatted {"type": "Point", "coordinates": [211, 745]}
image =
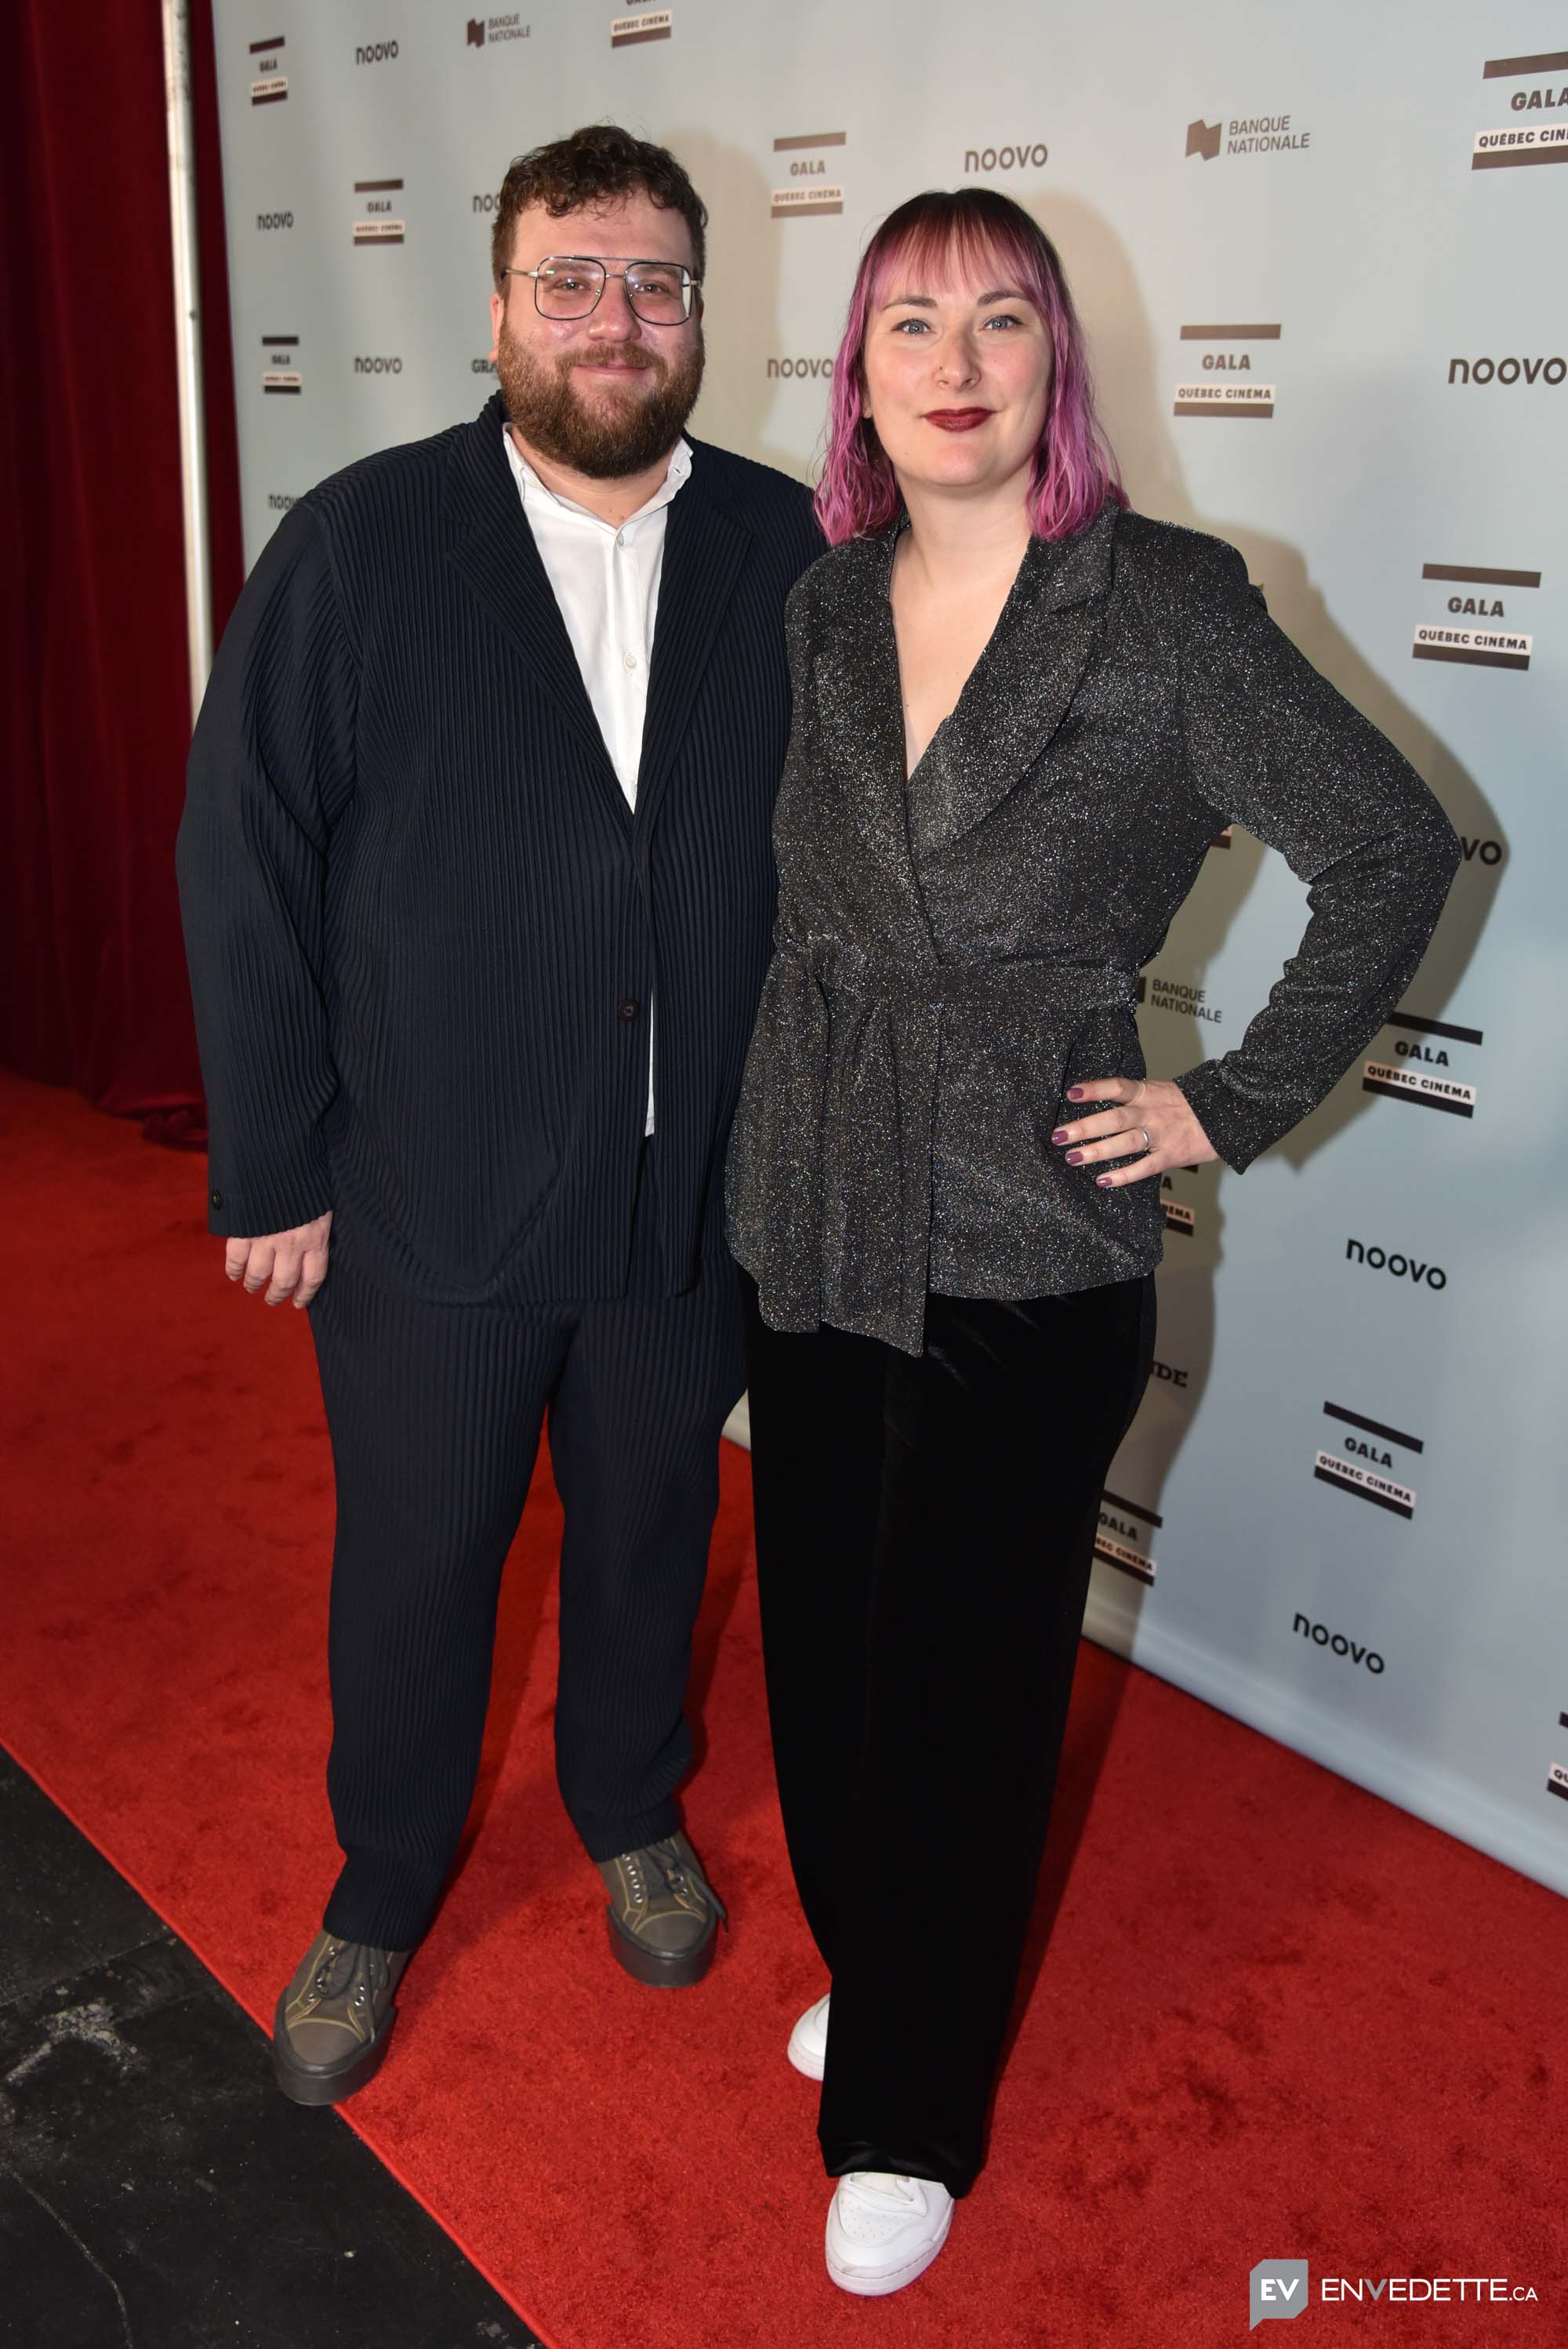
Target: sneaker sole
{"type": "Point", "coordinates": [304, 2084]}
{"type": "Point", "coordinates": [873, 2285]}
{"type": "Point", "coordinates": [660, 1972]}
{"type": "Point", "coordinates": [803, 2055]}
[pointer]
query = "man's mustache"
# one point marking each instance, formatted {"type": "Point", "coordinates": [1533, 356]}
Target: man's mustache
{"type": "Point", "coordinates": [599, 358]}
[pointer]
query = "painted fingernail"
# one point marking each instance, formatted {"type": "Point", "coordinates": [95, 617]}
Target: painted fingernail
{"type": "Point", "coordinates": [1074, 1157]}
{"type": "Point", "coordinates": [1102, 1180]}
{"type": "Point", "coordinates": [1075, 1093]}
{"type": "Point", "coordinates": [1060, 1135]}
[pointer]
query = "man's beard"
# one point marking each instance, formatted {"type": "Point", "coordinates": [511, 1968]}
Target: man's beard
{"type": "Point", "coordinates": [604, 444]}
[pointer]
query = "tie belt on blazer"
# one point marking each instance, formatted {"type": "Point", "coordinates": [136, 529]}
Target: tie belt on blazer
{"type": "Point", "coordinates": [968, 979]}
{"type": "Point", "coordinates": [879, 1030]}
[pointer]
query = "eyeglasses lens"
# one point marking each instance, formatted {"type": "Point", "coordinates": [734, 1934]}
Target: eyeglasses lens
{"type": "Point", "coordinates": [569, 289]}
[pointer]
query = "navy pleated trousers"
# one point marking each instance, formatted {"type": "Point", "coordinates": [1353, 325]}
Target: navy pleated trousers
{"type": "Point", "coordinates": [434, 1413]}
{"type": "Point", "coordinates": [925, 1533]}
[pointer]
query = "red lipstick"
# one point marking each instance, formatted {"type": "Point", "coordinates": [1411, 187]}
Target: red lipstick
{"type": "Point", "coordinates": [957, 420]}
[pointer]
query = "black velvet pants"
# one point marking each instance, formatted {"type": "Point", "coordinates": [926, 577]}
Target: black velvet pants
{"type": "Point", "coordinates": [434, 1413]}
{"type": "Point", "coordinates": [924, 1532]}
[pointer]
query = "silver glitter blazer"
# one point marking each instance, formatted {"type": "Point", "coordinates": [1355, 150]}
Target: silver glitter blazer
{"type": "Point", "coordinates": [952, 953]}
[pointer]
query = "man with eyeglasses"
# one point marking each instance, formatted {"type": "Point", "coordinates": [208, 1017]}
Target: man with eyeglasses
{"type": "Point", "coordinates": [477, 895]}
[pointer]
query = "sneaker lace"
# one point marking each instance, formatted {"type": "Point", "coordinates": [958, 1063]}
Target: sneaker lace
{"type": "Point", "coordinates": [883, 2186]}
{"type": "Point", "coordinates": [341, 1962]}
{"type": "Point", "coordinates": [682, 1875]}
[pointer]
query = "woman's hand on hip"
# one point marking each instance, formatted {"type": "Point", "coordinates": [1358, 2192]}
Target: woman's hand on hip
{"type": "Point", "coordinates": [1148, 1116]}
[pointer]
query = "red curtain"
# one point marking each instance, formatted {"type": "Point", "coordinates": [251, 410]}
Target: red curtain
{"type": "Point", "coordinates": [92, 597]}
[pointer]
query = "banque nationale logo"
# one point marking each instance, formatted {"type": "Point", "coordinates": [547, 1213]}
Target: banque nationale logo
{"type": "Point", "coordinates": [1422, 1069]}
{"type": "Point", "coordinates": [1178, 995]}
{"type": "Point", "coordinates": [1246, 134]}
{"type": "Point", "coordinates": [629, 32]}
{"type": "Point", "coordinates": [280, 371]}
{"type": "Point", "coordinates": [1364, 1462]}
{"type": "Point", "coordinates": [1474, 597]}
{"type": "Point", "coordinates": [379, 222]}
{"type": "Point", "coordinates": [497, 28]}
{"type": "Point", "coordinates": [1121, 1538]}
{"type": "Point", "coordinates": [1539, 131]}
{"type": "Point", "coordinates": [814, 184]}
{"type": "Point", "coordinates": [1226, 387]}
{"type": "Point", "coordinates": [271, 85]}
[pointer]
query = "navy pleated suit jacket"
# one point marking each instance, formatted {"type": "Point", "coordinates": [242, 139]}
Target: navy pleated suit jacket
{"type": "Point", "coordinates": [423, 925]}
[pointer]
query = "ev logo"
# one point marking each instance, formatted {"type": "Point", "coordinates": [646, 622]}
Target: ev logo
{"type": "Point", "coordinates": [1276, 2287]}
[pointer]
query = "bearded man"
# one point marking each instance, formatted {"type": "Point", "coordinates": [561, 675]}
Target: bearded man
{"type": "Point", "coordinates": [478, 891]}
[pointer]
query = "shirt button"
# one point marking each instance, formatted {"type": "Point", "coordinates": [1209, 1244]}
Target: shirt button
{"type": "Point", "coordinates": [628, 1007]}
{"type": "Point", "coordinates": [630, 660]}
{"type": "Point", "coordinates": [620, 538]}
{"type": "Point", "coordinates": [215, 1198]}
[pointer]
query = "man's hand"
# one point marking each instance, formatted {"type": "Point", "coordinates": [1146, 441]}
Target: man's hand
{"type": "Point", "coordinates": [285, 1264]}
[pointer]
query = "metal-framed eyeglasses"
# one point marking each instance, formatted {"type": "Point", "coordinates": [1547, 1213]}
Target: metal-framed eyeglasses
{"type": "Point", "coordinates": [569, 285]}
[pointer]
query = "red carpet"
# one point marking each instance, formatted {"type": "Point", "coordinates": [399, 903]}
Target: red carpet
{"type": "Point", "coordinates": [1275, 2017]}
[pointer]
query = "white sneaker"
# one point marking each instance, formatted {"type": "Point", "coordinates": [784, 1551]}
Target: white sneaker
{"type": "Point", "coordinates": [884, 2230]}
{"type": "Point", "coordinates": [809, 2041]}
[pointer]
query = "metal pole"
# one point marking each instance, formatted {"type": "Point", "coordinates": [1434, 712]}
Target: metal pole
{"type": "Point", "coordinates": [188, 341]}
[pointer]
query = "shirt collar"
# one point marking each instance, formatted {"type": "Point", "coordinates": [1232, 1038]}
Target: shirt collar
{"type": "Point", "coordinates": [530, 485]}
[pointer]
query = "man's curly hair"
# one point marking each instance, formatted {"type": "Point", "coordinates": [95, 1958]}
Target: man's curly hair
{"type": "Point", "coordinates": [594, 165]}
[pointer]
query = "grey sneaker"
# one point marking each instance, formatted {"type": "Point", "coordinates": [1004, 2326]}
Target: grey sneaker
{"type": "Point", "coordinates": [334, 2018]}
{"type": "Point", "coordinates": [664, 1913]}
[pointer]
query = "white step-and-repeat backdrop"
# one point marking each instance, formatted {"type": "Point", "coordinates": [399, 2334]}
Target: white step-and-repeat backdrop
{"type": "Point", "coordinates": [1320, 258]}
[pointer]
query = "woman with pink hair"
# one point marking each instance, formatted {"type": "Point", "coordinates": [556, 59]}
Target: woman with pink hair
{"type": "Point", "coordinates": [1021, 713]}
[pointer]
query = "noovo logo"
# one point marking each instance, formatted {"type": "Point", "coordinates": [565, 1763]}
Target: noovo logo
{"type": "Point", "coordinates": [374, 53]}
{"type": "Point", "coordinates": [377, 367]}
{"type": "Point", "coordinates": [1403, 1267]}
{"type": "Point", "coordinates": [1019, 157]}
{"type": "Point", "coordinates": [1507, 370]}
{"type": "Point", "coordinates": [1338, 1644]}
{"type": "Point", "coordinates": [274, 220]}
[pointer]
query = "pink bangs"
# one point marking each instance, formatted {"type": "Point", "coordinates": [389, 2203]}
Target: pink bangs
{"type": "Point", "coordinates": [929, 239]}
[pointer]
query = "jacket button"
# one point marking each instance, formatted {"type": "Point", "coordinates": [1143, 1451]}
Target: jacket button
{"type": "Point", "coordinates": [628, 1007]}
{"type": "Point", "coordinates": [215, 1198]}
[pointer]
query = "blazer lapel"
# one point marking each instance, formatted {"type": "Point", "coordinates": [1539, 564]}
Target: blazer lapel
{"type": "Point", "coordinates": [493, 547]}
{"type": "Point", "coordinates": [1019, 690]}
{"type": "Point", "coordinates": [705, 546]}
{"type": "Point", "coordinates": [863, 709]}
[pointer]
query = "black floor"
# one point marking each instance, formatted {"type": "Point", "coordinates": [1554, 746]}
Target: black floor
{"type": "Point", "coordinates": [156, 2191]}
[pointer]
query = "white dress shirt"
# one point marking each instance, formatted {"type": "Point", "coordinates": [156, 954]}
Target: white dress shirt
{"type": "Point", "coordinates": [605, 580]}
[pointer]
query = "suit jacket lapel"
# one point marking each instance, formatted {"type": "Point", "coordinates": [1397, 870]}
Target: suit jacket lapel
{"type": "Point", "coordinates": [705, 546]}
{"type": "Point", "coordinates": [493, 548]}
{"type": "Point", "coordinates": [1019, 690]}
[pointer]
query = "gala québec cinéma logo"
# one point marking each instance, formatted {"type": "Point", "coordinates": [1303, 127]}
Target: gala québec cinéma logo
{"type": "Point", "coordinates": [1363, 1464]}
{"type": "Point", "coordinates": [1431, 1064]}
{"type": "Point", "coordinates": [1226, 380]}
{"type": "Point", "coordinates": [281, 372]}
{"type": "Point", "coordinates": [632, 32]}
{"type": "Point", "coordinates": [1537, 130]}
{"type": "Point", "coordinates": [269, 86]}
{"type": "Point", "coordinates": [813, 173]}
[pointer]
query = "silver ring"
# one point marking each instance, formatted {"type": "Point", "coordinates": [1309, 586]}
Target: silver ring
{"type": "Point", "coordinates": [1143, 1130]}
